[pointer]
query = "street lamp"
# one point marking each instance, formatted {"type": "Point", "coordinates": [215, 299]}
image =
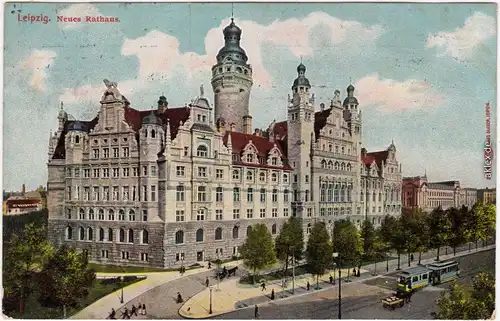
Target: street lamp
{"type": "Point", "coordinates": [340, 284]}
{"type": "Point", "coordinates": [210, 288]}
{"type": "Point", "coordinates": [335, 255]}
{"type": "Point", "coordinates": [293, 272]}
{"type": "Point", "coordinates": [121, 297]}
{"type": "Point", "coordinates": [182, 265]}
{"type": "Point", "coordinates": [218, 266]}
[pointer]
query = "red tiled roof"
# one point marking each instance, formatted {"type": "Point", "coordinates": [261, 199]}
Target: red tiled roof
{"type": "Point", "coordinates": [263, 145]}
{"type": "Point", "coordinates": [378, 157]}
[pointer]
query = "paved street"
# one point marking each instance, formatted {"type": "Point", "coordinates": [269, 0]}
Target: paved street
{"type": "Point", "coordinates": [362, 301]}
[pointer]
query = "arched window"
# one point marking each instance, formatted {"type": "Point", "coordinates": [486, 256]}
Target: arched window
{"type": "Point", "coordinates": [130, 236]}
{"type": "Point", "coordinates": [323, 163]}
{"type": "Point", "coordinates": [179, 237]}
{"type": "Point", "coordinates": [82, 214]}
{"type": "Point", "coordinates": [336, 166]}
{"type": "Point", "coordinates": [101, 214]}
{"type": "Point", "coordinates": [131, 215]}
{"type": "Point", "coordinates": [111, 215]}
{"type": "Point", "coordinates": [145, 237]}
{"type": "Point", "coordinates": [273, 229]}
{"type": "Point", "coordinates": [330, 165]}
{"type": "Point", "coordinates": [262, 176]}
{"type": "Point", "coordinates": [249, 176]}
{"type": "Point", "coordinates": [218, 233]}
{"type": "Point", "coordinates": [249, 230]}
{"type": "Point", "coordinates": [236, 232]}
{"type": "Point", "coordinates": [91, 214]}
{"type": "Point", "coordinates": [77, 139]}
{"type": "Point", "coordinates": [82, 233]}
{"type": "Point", "coordinates": [90, 234]}
{"type": "Point", "coordinates": [199, 235]}
{"type": "Point", "coordinates": [153, 134]}
{"type": "Point", "coordinates": [69, 233]}
{"type": "Point", "coordinates": [202, 151]}
{"type": "Point", "coordinates": [145, 133]}
{"type": "Point", "coordinates": [348, 167]}
{"type": "Point", "coordinates": [101, 234]}
{"type": "Point", "coordinates": [110, 234]}
{"type": "Point", "coordinates": [122, 235]}
{"type": "Point", "coordinates": [121, 215]}
{"type": "Point", "coordinates": [342, 167]}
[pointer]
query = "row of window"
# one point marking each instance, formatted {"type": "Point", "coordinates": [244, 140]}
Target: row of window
{"type": "Point", "coordinates": [390, 196]}
{"type": "Point", "coordinates": [111, 172]}
{"type": "Point", "coordinates": [204, 191]}
{"type": "Point", "coordinates": [102, 215]}
{"type": "Point", "coordinates": [106, 236]}
{"type": "Point", "coordinates": [200, 214]}
{"type": "Point", "coordinates": [115, 152]}
{"type": "Point", "coordinates": [218, 235]}
{"type": "Point", "coordinates": [113, 193]}
{"type": "Point", "coordinates": [338, 166]}
{"type": "Point", "coordinates": [125, 255]}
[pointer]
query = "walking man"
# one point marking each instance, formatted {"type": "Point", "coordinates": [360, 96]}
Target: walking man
{"type": "Point", "coordinates": [331, 279]}
{"type": "Point", "coordinates": [133, 311]}
{"type": "Point", "coordinates": [112, 315]}
{"type": "Point", "coordinates": [308, 286]}
{"type": "Point", "coordinates": [207, 282]}
{"type": "Point", "coordinates": [209, 265]}
{"type": "Point", "coordinates": [263, 285]}
{"type": "Point", "coordinates": [256, 311]}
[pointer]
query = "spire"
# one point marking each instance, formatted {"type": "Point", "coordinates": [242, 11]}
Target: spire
{"type": "Point", "coordinates": [232, 11]}
{"type": "Point", "coordinates": [229, 142]}
{"type": "Point", "coordinates": [168, 139]}
{"type": "Point", "coordinates": [51, 144]}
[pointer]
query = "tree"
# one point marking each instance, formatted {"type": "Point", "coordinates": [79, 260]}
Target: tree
{"type": "Point", "coordinates": [26, 254]}
{"type": "Point", "coordinates": [65, 278]}
{"type": "Point", "coordinates": [319, 250]}
{"type": "Point", "coordinates": [439, 229]}
{"type": "Point", "coordinates": [480, 222]}
{"type": "Point", "coordinates": [290, 241]}
{"type": "Point", "coordinates": [457, 234]}
{"type": "Point", "coordinates": [490, 221]}
{"type": "Point", "coordinates": [368, 236]}
{"type": "Point", "coordinates": [347, 242]}
{"type": "Point", "coordinates": [258, 250]}
{"type": "Point", "coordinates": [483, 286]}
{"type": "Point", "coordinates": [393, 235]}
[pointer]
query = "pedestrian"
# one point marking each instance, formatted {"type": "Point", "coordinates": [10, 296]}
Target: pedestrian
{"type": "Point", "coordinates": [411, 257]}
{"type": "Point", "coordinates": [209, 264]}
{"type": "Point", "coordinates": [139, 309]}
{"type": "Point", "coordinates": [331, 279]}
{"type": "Point", "coordinates": [354, 271]}
{"type": "Point", "coordinates": [308, 286]}
{"type": "Point", "coordinates": [133, 311]}
{"type": "Point", "coordinates": [112, 315]}
{"type": "Point", "coordinates": [409, 296]}
{"type": "Point", "coordinates": [272, 294]}
{"type": "Point", "coordinates": [144, 309]}
{"type": "Point", "coordinates": [256, 311]}
{"type": "Point", "coordinates": [263, 285]}
{"type": "Point", "coordinates": [125, 314]}
{"type": "Point", "coordinates": [207, 282]}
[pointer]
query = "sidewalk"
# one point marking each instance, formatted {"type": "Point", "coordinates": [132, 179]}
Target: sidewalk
{"type": "Point", "coordinates": [101, 308]}
{"type": "Point", "coordinates": [232, 295]}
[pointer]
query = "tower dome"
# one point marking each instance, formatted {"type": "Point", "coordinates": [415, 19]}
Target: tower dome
{"type": "Point", "coordinates": [350, 99]}
{"type": "Point", "coordinates": [151, 119]}
{"type": "Point", "coordinates": [76, 126]}
{"type": "Point", "coordinates": [232, 48]}
{"type": "Point", "coordinates": [301, 79]}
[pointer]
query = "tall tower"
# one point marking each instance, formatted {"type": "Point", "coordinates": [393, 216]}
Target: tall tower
{"type": "Point", "coordinates": [232, 80]}
{"type": "Point", "coordinates": [300, 131]}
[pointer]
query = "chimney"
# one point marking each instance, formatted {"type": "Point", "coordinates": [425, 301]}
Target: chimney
{"type": "Point", "coordinates": [247, 124]}
{"type": "Point", "coordinates": [23, 189]}
{"type": "Point", "coordinates": [233, 127]}
{"type": "Point", "coordinates": [322, 106]}
{"type": "Point", "coordinates": [162, 104]}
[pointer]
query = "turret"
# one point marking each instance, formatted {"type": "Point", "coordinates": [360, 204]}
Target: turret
{"type": "Point", "coordinates": [62, 117]}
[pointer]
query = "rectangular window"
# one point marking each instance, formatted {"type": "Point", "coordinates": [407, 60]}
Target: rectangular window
{"type": "Point", "coordinates": [179, 216]}
{"type": "Point", "coordinates": [144, 171]}
{"type": "Point", "coordinates": [249, 213]}
{"type": "Point", "coordinates": [262, 195]}
{"type": "Point", "coordinates": [322, 212]}
{"type": "Point", "coordinates": [125, 255]}
{"type": "Point", "coordinates": [69, 192]}
{"type": "Point", "coordinates": [104, 254]}
{"type": "Point", "coordinates": [144, 193]}
{"type": "Point", "coordinates": [126, 152]}
{"type": "Point", "coordinates": [126, 172]}
{"type": "Point", "coordinates": [262, 213]}
{"type": "Point", "coordinates": [180, 194]}
{"type": "Point", "coordinates": [105, 193]}
{"type": "Point", "coordinates": [77, 172]}
{"type": "Point", "coordinates": [95, 153]}
{"type": "Point", "coordinates": [105, 172]}
{"type": "Point", "coordinates": [144, 257]}
{"type": "Point", "coordinates": [153, 193]}
{"type": "Point", "coordinates": [116, 195]}
{"type": "Point", "coordinates": [116, 153]}
{"type": "Point", "coordinates": [309, 212]}
{"type": "Point", "coordinates": [95, 193]}
{"type": "Point", "coordinates": [86, 173]}
{"type": "Point", "coordinates": [96, 172]}
{"type": "Point", "coordinates": [236, 194]}
{"type": "Point", "coordinates": [202, 172]}
{"type": "Point", "coordinates": [144, 215]}
{"type": "Point", "coordinates": [135, 171]}
{"type": "Point", "coordinates": [180, 171]}
{"type": "Point", "coordinates": [275, 196]}
{"type": "Point", "coordinates": [200, 216]}
{"type": "Point", "coordinates": [285, 212]}
{"type": "Point", "coordinates": [286, 197]}
{"type": "Point", "coordinates": [219, 173]}
{"type": "Point", "coordinates": [86, 194]}
{"type": "Point", "coordinates": [236, 214]}
{"type": "Point", "coordinates": [218, 194]}
{"type": "Point", "coordinates": [274, 212]}
{"type": "Point", "coordinates": [179, 257]}
{"type": "Point", "coordinates": [105, 152]}
{"type": "Point", "coordinates": [153, 171]}
{"type": "Point", "coordinates": [250, 195]}
{"type": "Point", "coordinates": [218, 215]}
{"type": "Point", "coordinates": [116, 172]}
{"type": "Point", "coordinates": [134, 193]}
{"type": "Point", "coordinates": [186, 151]}
{"type": "Point", "coordinates": [330, 211]}
{"type": "Point", "coordinates": [202, 193]}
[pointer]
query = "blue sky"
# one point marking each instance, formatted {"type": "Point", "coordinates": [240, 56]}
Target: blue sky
{"type": "Point", "coordinates": [422, 72]}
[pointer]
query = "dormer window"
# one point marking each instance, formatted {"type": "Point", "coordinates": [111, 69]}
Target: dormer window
{"type": "Point", "coordinates": [202, 151]}
{"type": "Point", "coordinates": [250, 158]}
{"type": "Point", "coordinates": [204, 118]}
{"type": "Point", "coordinates": [198, 117]}
{"type": "Point", "coordinates": [274, 161]}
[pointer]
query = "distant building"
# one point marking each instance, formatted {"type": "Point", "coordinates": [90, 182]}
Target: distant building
{"type": "Point", "coordinates": [17, 206]}
{"type": "Point", "coordinates": [419, 193]}
{"type": "Point", "coordinates": [487, 195]}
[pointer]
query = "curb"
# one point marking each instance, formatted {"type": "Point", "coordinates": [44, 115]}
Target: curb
{"type": "Point", "coordinates": [459, 254]}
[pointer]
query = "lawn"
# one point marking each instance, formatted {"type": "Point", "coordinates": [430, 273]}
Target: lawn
{"type": "Point", "coordinates": [33, 309]}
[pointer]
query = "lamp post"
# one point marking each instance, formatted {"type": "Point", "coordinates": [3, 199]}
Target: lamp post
{"type": "Point", "coordinates": [121, 297]}
{"type": "Point", "coordinates": [340, 285]}
{"type": "Point", "coordinates": [293, 273]}
{"type": "Point", "coordinates": [210, 311]}
{"type": "Point", "coordinates": [218, 266]}
{"type": "Point", "coordinates": [182, 265]}
{"type": "Point", "coordinates": [335, 255]}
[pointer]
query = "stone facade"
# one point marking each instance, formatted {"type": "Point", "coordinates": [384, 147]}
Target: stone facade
{"type": "Point", "coordinates": [173, 186]}
{"type": "Point", "coordinates": [487, 195]}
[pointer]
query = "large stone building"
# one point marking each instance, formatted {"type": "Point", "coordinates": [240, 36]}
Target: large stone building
{"type": "Point", "coordinates": [487, 195]}
{"type": "Point", "coordinates": [419, 193]}
{"type": "Point", "coordinates": [175, 186]}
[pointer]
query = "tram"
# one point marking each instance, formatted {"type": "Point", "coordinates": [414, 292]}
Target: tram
{"type": "Point", "coordinates": [432, 274]}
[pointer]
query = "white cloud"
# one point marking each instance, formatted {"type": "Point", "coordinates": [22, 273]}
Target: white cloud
{"type": "Point", "coordinates": [77, 10]}
{"type": "Point", "coordinates": [462, 42]}
{"type": "Point", "coordinates": [390, 95]}
{"type": "Point", "coordinates": [160, 58]}
{"type": "Point", "coordinates": [37, 64]}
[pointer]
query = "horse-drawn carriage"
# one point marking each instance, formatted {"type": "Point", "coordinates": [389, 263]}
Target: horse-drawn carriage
{"type": "Point", "coordinates": [398, 299]}
{"type": "Point", "coordinates": [226, 272]}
